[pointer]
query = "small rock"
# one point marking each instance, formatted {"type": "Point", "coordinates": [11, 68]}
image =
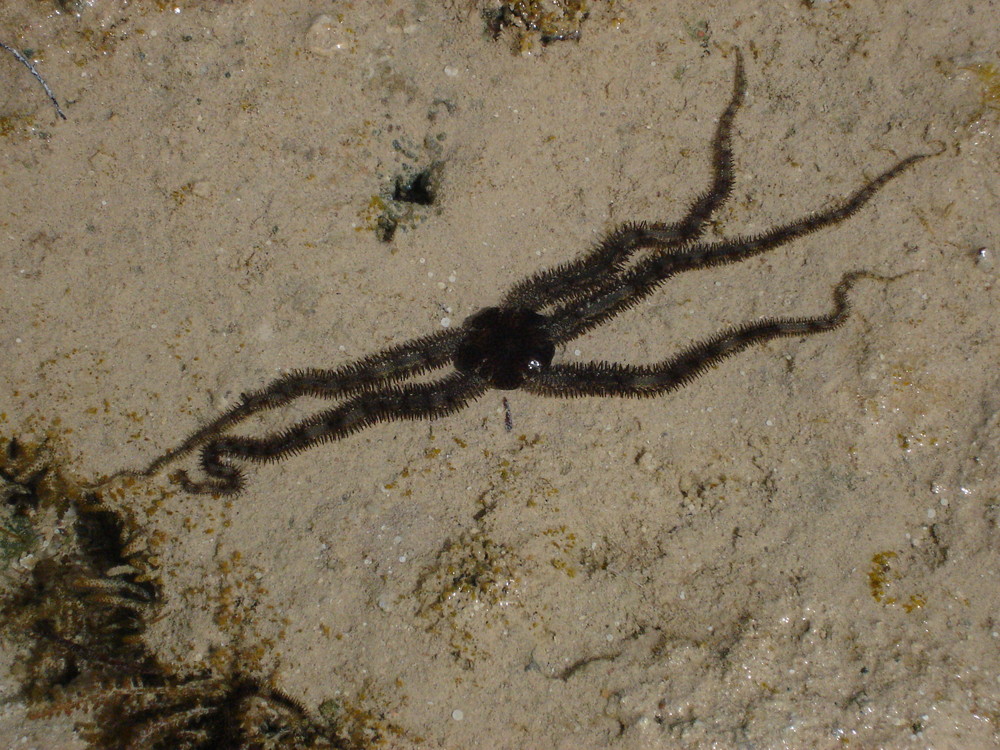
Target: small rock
{"type": "Point", "coordinates": [647, 462]}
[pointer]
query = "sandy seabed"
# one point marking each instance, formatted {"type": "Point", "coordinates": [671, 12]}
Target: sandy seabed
{"type": "Point", "coordinates": [799, 549]}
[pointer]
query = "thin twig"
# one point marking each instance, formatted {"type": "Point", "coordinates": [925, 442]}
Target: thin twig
{"type": "Point", "coordinates": [27, 63]}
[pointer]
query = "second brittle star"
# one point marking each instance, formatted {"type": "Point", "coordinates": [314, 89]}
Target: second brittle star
{"type": "Point", "coordinates": [512, 344]}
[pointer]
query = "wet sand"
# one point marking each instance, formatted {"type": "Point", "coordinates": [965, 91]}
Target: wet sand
{"type": "Point", "coordinates": [799, 549]}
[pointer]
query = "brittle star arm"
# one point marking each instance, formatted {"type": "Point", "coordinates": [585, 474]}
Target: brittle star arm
{"type": "Point", "coordinates": [613, 379]}
{"type": "Point", "coordinates": [634, 285]}
{"type": "Point", "coordinates": [573, 279]}
{"type": "Point", "coordinates": [393, 403]}
{"type": "Point", "coordinates": [375, 371]}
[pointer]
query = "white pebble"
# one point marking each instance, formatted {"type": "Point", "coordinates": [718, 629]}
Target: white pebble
{"type": "Point", "coordinates": [457, 714]}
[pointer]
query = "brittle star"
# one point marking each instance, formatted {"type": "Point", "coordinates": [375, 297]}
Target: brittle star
{"type": "Point", "coordinates": [512, 345]}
